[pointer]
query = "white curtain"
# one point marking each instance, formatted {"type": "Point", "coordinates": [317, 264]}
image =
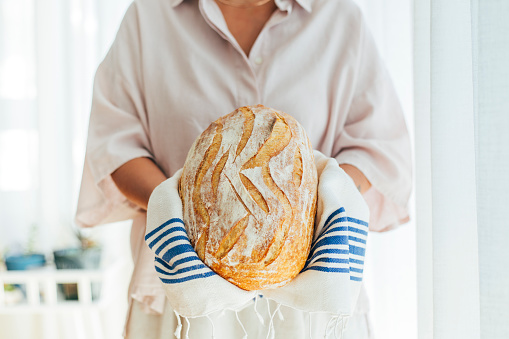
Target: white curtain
{"type": "Point", "coordinates": [461, 64]}
{"type": "Point", "coordinates": [49, 51]}
{"type": "Point", "coordinates": [390, 272]}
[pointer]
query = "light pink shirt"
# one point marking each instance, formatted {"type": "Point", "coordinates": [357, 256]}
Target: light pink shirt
{"type": "Point", "coordinates": [175, 67]}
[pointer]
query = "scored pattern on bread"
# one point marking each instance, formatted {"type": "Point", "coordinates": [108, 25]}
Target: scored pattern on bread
{"type": "Point", "coordinates": [297, 168]}
{"type": "Point", "coordinates": [231, 238]}
{"type": "Point", "coordinates": [255, 194]}
{"type": "Point", "coordinates": [217, 172]}
{"type": "Point", "coordinates": [278, 140]}
{"type": "Point", "coordinates": [202, 169]}
{"type": "Point", "coordinates": [198, 204]}
{"type": "Point", "coordinates": [238, 196]}
{"type": "Point", "coordinates": [247, 129]}
{"type": "Point", "coordinates": [249, 194]}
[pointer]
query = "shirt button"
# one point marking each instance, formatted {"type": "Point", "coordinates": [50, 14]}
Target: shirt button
{"type": "Point", "coordinates": [258, 60]}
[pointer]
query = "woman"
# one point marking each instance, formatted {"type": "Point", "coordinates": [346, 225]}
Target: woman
{"type": "Point", "coordinates": [177, 65]}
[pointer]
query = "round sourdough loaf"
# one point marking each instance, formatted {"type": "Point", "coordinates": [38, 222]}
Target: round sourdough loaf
{"type": "Point", "coordinates": [249, 190]}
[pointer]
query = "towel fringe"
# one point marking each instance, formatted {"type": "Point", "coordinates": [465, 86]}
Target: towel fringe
{"type": "Point", "coordinates": [268, 312]}
{"type": "Point", "coordinates": [188, 327]}
{"type": "Point", "coordinates": [256, 310]}
{"type": "Point", "coordinates": [213, 327]}
{"type": "Point", "coordinates": [336, 323]}
{"type": "Point", "coordinates": [241, 325]}
{"type": "Point", "coordinates": [179, 326]}
{"type": "Point", "coordinates": [280, 314]}
{"type": "Point", "coordinates": [331, 320]}
{"type": "Point", "coordinates": [336, 327]}
{"type": "Point", "coordinates": [271, 324]}
{"type": "Point", "coordinates": [344, 323]}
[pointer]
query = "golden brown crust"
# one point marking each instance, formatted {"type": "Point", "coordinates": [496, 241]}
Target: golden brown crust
{"type": "Point", "coordinates": [249, 190]}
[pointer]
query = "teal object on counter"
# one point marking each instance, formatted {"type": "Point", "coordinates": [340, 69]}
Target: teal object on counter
{"type": "Point", "coordinates": [24, 262]}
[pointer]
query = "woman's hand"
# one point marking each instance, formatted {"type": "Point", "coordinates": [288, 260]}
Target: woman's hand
{"type": "Point", "coordinates": [360, 180]}
{"type": "Point", "coordinates": [137, 178]}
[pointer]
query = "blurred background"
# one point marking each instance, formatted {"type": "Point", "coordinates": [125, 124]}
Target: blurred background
{"type": "Point", "coordinates": [49, 51]}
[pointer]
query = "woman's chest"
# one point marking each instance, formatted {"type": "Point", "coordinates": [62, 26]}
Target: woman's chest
{"type": "Point", "coordinates": [193, 80]}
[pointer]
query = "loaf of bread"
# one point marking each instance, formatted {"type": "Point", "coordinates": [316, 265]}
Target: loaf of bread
{"type": "Point", "coordinates": [249, 190]}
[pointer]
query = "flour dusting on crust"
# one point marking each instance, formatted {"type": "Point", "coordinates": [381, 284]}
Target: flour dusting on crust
{"type": "Point", "coordinates": [249, 188]}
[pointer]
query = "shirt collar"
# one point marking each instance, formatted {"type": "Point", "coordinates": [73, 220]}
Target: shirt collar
{"type": "Point", "coordinates": [286, 4]}
{"type": "Point", "coordinates": [282, 4]}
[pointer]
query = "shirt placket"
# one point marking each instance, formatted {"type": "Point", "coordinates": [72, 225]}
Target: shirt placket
{"type": "Point", "coordinates": [248, 69]}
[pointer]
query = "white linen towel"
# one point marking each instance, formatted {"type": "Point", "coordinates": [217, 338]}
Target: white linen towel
{"type": "Point", "coordinates": [330, 281]}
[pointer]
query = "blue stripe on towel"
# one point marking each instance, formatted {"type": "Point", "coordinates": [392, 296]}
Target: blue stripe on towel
{"type": "Point", "coordinates": [331, 240]}
{"type": "Point", "coordinates": [176, 250]}
{"type": "Point", "coordinates": [356, 230]}
{"type": "Point", "coordinates": [356, 239]}
{"type": "Point", "coordinates": [172, 239]}
{"type": "Point", "coordinates": [182, 270]}
{"type": "Point", "coordinates": [328, 269]}
{"type": "Point", "coordinates": [355, 261]}
{"type": "Point", "coordinates": [335, 229]}
{"type": "Point", "coordinates": [357, 250]}
{"type": "Point", "coordinates": [346, 228]}
{"type": "Point", "coordinates": [177, 262]}
{"type": "Point", "coordinates": [165, 233]}
{"type": "Point", "coordinates": [356, 270]}
{"type": "Point", "coordinates": [157, 229]}
{"type": "Point", "coordinates": [336, 212]}
{"type": "Point", "coordinates": [326, 229]}
{"type": "Point", "coordinates": [333, 260]}
{"type": "Point", "coordinates": [328, 243]}
{"type": "Point", "coordinates": [325, 240]}
{"type": "Point", "coordinates": [357, 221]}
{"type": "Point", "coordinates": [190, 277]}
{"type": "Point", "coordinates": [345, 219]}
{"type": "Point", "coordinates": [328, 250]}
{"type": "Point", "coordinates": [334, 270]}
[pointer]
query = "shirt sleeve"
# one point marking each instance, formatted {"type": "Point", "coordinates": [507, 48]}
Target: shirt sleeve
{"type": "Point", "coordinates": [375, 138]}
{"type": "Point", "coordinates": [117, 130]}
